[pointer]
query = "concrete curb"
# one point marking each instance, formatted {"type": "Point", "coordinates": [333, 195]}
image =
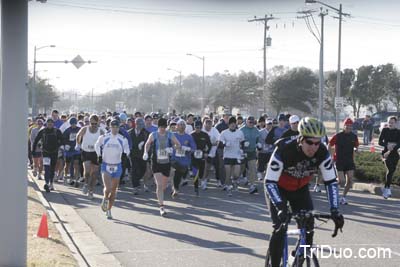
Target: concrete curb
{"type": "Point", "coordinates": [75, 231]}
{"type": "Point", "coordinates": [375, 189]}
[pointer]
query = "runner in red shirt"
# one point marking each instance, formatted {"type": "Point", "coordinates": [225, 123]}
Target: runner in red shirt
{"type": "Point", "coordinates": [344, 143]}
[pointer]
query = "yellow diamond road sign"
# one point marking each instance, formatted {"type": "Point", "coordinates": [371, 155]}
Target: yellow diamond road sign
{"type": "Point", "coordinates": [78, 61]}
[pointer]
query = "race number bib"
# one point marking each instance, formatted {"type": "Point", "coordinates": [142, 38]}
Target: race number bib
{"type": "Point", "coordinates": [72, 137]}
{"type": "Point", "coordinates": [180, 153]}
{"type": "Point", "coordinates": [198, 154]}
{"type": "Point", "coordinates": [46, 161]}
{"type": "Point", "coordinates": [111, 168]}
{"type": "Point", "coordinates": [162, 154]}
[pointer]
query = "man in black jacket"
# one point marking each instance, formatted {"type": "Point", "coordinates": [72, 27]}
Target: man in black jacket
{"type": "Point", "coordinates": [139, 136]}
{"type": "Point", "coordinates": [203, 145]}
{"type": "Point", "coordinates": [52, 139]}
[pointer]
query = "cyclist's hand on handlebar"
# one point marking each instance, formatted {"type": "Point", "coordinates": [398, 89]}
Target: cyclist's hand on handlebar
{"type": "Point", "coordinates": [281, 212]}
{"type": "Point", "coordinates": [338, 219]}
{"type": "Point", "coordinates": [282, 216]}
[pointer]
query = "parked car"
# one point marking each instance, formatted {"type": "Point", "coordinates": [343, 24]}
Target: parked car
{"type": "Point", "coordinates": [381, 117]}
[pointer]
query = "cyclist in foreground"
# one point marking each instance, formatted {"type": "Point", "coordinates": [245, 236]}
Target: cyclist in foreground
{"type": "Point", "coordinates": [292, 166]}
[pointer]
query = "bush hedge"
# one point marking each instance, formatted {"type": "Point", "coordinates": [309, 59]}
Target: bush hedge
{"type": "Point", "coordinates": [370, 168]}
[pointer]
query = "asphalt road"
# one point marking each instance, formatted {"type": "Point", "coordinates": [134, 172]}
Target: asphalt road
{"type": "Point", "coordinates": [217, 230]}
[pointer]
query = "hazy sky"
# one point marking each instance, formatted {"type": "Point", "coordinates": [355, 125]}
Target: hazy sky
{"type": "Point", "coordinates": [136, 41]}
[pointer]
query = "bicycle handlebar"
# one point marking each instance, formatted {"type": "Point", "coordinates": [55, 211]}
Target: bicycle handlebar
{"type": "Point", "coordinates": [306, 215]}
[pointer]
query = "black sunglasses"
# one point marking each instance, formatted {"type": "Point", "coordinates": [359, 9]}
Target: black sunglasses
{"type": "Point", "coordinates": [309, 142]}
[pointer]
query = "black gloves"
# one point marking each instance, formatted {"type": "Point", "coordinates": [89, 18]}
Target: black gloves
{"type": "Point", "coordinates": [281, 212]}
{"type": "Point", "coordinates": [338, 219]}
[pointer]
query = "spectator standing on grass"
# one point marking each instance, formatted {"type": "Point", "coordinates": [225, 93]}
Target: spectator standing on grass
{"type": "Point", "coordinates": [367, 126]}
{"type": "Point", "coordinates": [390, 140]}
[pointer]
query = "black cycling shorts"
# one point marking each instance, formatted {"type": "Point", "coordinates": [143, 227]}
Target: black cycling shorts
{"type": "Point", "coordinates": [345, 166]}
{"type": "Point", "coordinates": [90, 156]}
{"type": "Point", "coordinates": [228, 161]}
{"type": "Point", "coordinates": [164, 168]}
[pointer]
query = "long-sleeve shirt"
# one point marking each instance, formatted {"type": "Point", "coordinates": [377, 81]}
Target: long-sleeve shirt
{"type": "Point", "coordinates": [180, 156]}
{"type": "Point", "coordinates": [203, 143]}
{"type": "Point", "coordinates": [51, 140]}
{"type": "Point", "coordinates": [69, 140]}
{"type": "Point", "coordinates": [389, 136]}
{"type": "Point", "coordinates": [138, 140]}
{"type": "Point", "coordinates": [110, 147]}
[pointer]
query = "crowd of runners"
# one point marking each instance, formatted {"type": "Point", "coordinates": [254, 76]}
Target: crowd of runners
{"type": "Point", "coordinates": [171, 150]}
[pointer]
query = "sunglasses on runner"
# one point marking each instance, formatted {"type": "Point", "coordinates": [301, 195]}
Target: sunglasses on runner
{"type": "Point", "coordinates": [309, 142]}
{"type": "Point", "coordinates": [93, 123]}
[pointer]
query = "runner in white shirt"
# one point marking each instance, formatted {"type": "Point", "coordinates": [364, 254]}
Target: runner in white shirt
{"type": "Point", "coordinates": [211, 159]}
{"type": "Point", "coordinates": [232, 140]}
{"type": "Point", "coordinates": [85, 141]}
{"type": "Point", "coordinates": [109, 149]}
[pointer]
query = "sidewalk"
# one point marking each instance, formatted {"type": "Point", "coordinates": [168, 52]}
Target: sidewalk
{"type": "Point", "coordinates": [87, 248]}
{"type": "Point", "coordinates": [44, 252]}
{"type": "Point", "coordinates": [376, 189]}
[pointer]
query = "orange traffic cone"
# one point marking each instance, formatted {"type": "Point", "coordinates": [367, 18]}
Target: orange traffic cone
{"type": "Point", "coordinates": [372, 149]}
{"type": "Point", "coordinates": [43, 231]}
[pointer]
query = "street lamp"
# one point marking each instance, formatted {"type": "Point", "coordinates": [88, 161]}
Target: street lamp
{"type": "Point", "coordinates": [180, 76]}
{"type": "Point", "coordinates": [204, 86]}
{"type": "Point", "coordinates": [339, 73]}
{"type": "Point", "coordinates": [34, 77]}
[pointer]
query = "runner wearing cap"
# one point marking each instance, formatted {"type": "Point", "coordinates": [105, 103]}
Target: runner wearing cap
{"type": "Point", "coordinates": [109, 149]}
{"type": "Point", "coordinates": [293, 131]}
{"type": "Point", "coordinates": [250, 145]}
{"type": "Point", "coordinates": [51, 139]}
{"type": "Point", "coordinates": [277, 132]}
{"type": "Point", "coordinates": [342, 146]}
{"type": "Point", "coordinates": [161, 143]}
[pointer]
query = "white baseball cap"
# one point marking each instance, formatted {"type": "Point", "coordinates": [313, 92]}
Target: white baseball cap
{"type": "Point", "coordinates": [294, 119]}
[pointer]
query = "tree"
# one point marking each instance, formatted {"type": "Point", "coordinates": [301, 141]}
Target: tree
{"type": "Point", "coordinates": [346, 83]}
{"type": "Point", "coordinates": [359, 95]}
{"type": "Point", "coordinates": [45, 93]}
{"type": "Point", "coordinates": [239, 91]}
{"type": "Point", "coordinates": [185, 102]}
{"type": "Point", "coordinates": [377, 88]}
{"type": "Point", "coordinates": [295, 88]}
{"type": "Point", "coordinates": [392, 85]}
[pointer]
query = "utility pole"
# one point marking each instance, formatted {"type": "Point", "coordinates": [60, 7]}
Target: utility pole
{"type": "Point", "coordinates": [321, 69]}
{"type": "Point", "coordinates": [339, 72]}
{"type": "Point", "coordinates": [266, 28]}
{"type": "Point", "coordinates": [319, 36]}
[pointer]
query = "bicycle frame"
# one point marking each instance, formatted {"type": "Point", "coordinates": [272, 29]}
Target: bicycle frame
{"type": "Point", "coordinates": [301, 242]}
